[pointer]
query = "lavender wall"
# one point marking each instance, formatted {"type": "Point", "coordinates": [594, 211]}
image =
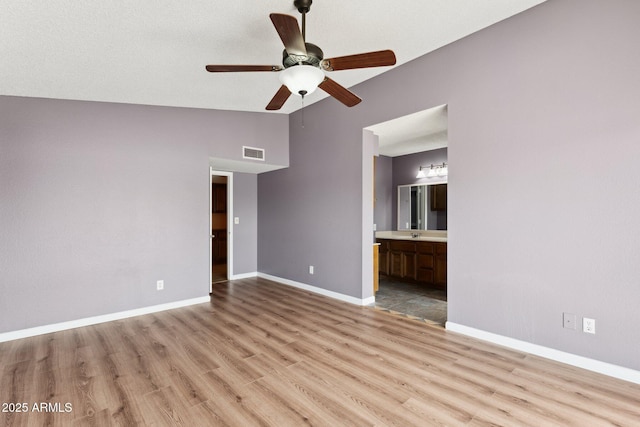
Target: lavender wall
{"type": "Point", "coordinates": [98, 201]}
{"type": "Point", "coordinates": [228, 131]}
{"type": "Point", "coordinates": [311, 212]}
{"type": "Point", "coordinates": [394, 171]}
{"type": "Point", "coordinates": [405, 169]}
{"type": "Point", "coordinates": [383, 213]}
{"type": "Point", "coordinates": [245, 207]}
{"type": "Point", "coordinates": [548, 99]}
{"type": "Point", "coordinates": [555, 116]}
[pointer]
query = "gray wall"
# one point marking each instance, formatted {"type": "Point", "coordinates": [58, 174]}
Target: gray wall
{"type": "Point", "coordinates": [382, 216]}
{"type": "Point", "coordinates": [228, 131]}
{"type": "Point", "coordinates": [245, 207]}
{"type": "Point", "coordinates": [554, 115]}
{"type": "Point", "coordinates": [405, 169]}
{"type": "Point", "coordinates": [394, 171]}
{"type": "Point", "coordinates": [548, 99]}
{"type": "Point", "coordinates": [98, 201]}
{"type": "Point", "coordinates": [311, 213]}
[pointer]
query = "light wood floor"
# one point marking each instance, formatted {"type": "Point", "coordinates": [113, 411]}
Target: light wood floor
{"type": "Point", "coordinates": [265, 354]}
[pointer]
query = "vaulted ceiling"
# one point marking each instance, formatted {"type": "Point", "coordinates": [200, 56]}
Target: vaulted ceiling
{"type": "Point", "coordinates": [154, 52]}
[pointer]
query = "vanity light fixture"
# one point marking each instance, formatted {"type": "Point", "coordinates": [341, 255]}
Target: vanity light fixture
{"type": "Point", "coordinates": [438, 170]}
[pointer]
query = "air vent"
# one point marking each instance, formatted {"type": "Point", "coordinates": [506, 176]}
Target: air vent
{"type": "Point", "coordinates": [253, 153]}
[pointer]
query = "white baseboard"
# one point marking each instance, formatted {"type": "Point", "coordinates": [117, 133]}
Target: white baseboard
{"type": "Point", "coordinates": [56, 327]}
{"type": "Point", "coordinates": [243, 276]}
{"type": "Point", "coordinates": [609, 369]}
{"type": "Point", "coordinates": [316, 290]}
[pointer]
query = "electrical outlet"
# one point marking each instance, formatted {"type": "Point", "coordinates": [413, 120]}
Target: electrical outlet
{"type": "Point", "coordinates": [569, 321]}
{"type": "Point", "coordinates": [160, 285]}
{"type": "Point", "coordinates": [236, 220]}
{"type": "Point", "coordinates": [311, 269]}
{"type": "Point", "coordinates": [588, 325]}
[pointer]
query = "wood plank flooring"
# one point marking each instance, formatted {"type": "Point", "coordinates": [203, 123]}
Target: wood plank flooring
{"type": "Point", "coordinates": [264, 354]}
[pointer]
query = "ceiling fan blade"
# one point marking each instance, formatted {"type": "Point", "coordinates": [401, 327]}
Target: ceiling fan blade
{"type": "Point", "coordinates": [379, 58]}
{"type": "Point", "coordinates": [289, 32]}
{"type": "Point", "coordinates": [236, 68]}
{"type": "Point", "coordinates": [279, 99]}
{"type": "Point", "coordinates": [339, 92]}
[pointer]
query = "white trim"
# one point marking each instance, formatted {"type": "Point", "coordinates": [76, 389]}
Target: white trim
{"type": "Point", "coordinates": [244, 276]}
{"type": "Point", "coordinates": [56, 327]}
{"type": "Point", "coordinates": [230, 224]}
{"type": "Point", "coordinates": [370, 145]}
{"type": "Point", "coordinates": [315, 290]}
{"type": "Point", "coordinates": [609, 369]}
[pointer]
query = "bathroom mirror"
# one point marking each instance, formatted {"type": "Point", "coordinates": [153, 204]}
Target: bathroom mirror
{"type": "Point", "coordinates": [422, 207]}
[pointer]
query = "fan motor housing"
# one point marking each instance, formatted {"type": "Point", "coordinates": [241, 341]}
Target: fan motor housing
{"type": "Point", "coordinates": [303, 6]}
{"type": "Point", "coordinates": [313, 57]}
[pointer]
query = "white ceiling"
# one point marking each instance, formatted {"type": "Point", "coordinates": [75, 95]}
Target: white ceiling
{"type": "Point", "coordinates": [422, 131]}
{"type": "Point", "coordinates": [154, 52]}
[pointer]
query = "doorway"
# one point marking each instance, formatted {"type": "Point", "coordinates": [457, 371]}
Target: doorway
{"type": "Point", "coordinates": [405, 146]}
{"type": "Point", "coordinates": [220, 226]}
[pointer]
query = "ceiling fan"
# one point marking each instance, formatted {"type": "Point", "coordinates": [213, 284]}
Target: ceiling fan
{"type": "Point", "coordinates": [303, 64]}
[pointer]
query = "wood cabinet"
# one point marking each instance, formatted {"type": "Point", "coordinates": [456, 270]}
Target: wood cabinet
{"type": "Point", "coordinates": [438, 197]}
{"type": "Point", "coordinates": [414, 261]}
{"type": "Point", "coordinates": [402, 257]}
{"type": "Point", "coordinates": [219, 198]}
{"type": "Point", "coordinates": [218, 246]}
{"type": "Point", "coordinates": [440, 267]}
{"type": "Point", "coordinates": [383, 257]}
{"type": "Point", "coordinates": [425, 253]}
{"type": "Point", "coordinates": [218, 223]}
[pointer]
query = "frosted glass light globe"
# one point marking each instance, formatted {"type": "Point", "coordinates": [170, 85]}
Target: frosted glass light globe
{"type": "Point", "coordinates": [302, 79]}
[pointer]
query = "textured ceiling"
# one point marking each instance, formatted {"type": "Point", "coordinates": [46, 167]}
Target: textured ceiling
{"type": "Point", "coordinates": [154, 52]}
{"type": "Point", "coordinates": [414, 133]}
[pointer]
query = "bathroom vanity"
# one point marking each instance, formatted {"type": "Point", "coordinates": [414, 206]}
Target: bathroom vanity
{"type": "Point", "coordinates": [416, 257]}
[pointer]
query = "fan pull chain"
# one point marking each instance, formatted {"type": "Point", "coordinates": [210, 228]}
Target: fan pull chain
{"type": "Point", "coordinates": [302, 112]}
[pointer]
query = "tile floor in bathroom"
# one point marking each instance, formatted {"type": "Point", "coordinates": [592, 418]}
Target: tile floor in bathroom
{"type": "Point", "coordinates": [412, 300]}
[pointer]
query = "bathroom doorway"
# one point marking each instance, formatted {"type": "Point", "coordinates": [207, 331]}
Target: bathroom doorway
{"type": "Point", "coordinates": [406, 146]}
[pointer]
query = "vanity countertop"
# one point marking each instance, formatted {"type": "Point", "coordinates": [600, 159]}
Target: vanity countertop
{"type": "Point", "coordinates": [423, 235]}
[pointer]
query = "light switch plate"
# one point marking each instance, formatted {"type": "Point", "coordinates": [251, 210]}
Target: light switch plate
{"type": "Point", "coordinates": [569, 321]}
{"type": "Point", "coordinates": [236, 220]}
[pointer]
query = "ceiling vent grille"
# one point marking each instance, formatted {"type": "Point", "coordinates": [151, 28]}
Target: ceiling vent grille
{"type": "Point", "coordinates": [253, 153]}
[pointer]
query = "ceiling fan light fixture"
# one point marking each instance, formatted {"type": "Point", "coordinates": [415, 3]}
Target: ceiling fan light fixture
{"type": "Point", "coordinates": [304, 64]}
{"type": "Point", "coordinates": [302, 79]}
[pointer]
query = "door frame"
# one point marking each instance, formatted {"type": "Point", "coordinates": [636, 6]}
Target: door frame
{"type": "Point", "coordinates": [229, 176]}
